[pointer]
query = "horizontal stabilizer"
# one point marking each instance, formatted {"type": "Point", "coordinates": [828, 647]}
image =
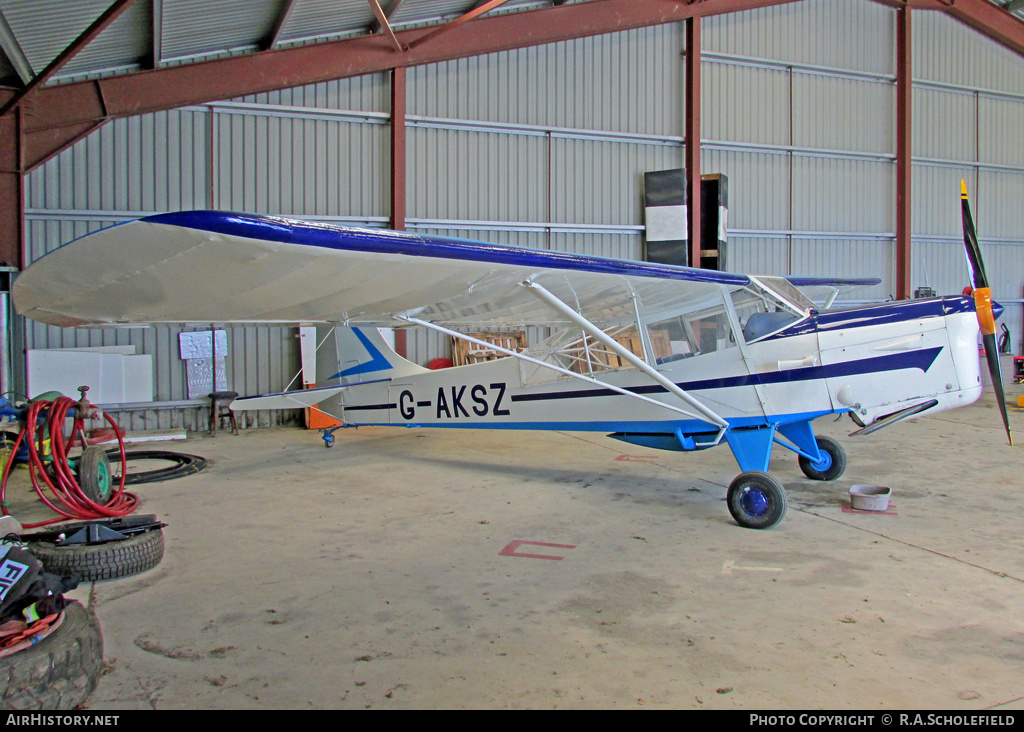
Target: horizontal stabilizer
{"type": "Point", "coordinates": [286, 400]}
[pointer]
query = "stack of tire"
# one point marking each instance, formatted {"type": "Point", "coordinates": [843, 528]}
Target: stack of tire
{"type": "Point", "coordinates": [52, 651]}
{"type": "Point", "coordinates": [57, 665]}
{"type": "Point", "coordinates": [58, 672]}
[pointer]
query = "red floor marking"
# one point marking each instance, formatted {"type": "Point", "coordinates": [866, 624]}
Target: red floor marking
{"type": "Point", "coordinates": [510, 550]}
{"type": "Point", "coordinates": [637, 458]}
{"type": "Point", "coordinates": [848, 508]}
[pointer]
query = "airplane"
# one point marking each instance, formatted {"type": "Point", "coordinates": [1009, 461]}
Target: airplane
{"type": "Point", "coordinates": [655, 355]}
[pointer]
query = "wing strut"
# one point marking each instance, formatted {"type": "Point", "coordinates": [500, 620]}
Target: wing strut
{"type": "Point", "coordinates": [592, 330]}
{"type": "Point", "coordinates": [537, 362]}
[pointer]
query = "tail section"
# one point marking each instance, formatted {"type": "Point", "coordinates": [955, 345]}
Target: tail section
{"type": "Point", "coordinates": [348, 356]}
{"type": "Point", "coordinates": [344, 357]}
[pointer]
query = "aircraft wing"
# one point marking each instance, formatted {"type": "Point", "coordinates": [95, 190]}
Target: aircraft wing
{"type": "Point", "coordinates": [205, 267]}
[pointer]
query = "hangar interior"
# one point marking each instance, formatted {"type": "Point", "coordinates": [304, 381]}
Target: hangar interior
{"type": "Point", "coordinates": [844, 128]}
{"type": "Point", "coordinates": [543, 146]}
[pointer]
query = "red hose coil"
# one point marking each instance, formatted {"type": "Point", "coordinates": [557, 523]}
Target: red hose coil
{"type": "Point", "coordinates": [68, 499]}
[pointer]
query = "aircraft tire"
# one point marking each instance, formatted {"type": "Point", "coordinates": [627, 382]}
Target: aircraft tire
{"type": "Point", "coordinates": [94, 562]}
{"type": "Point", "coordinates": [836, 461]}
{"type": "Point", "coordinates": [756, 500]}
{"type": "Point", "coordinates": [60, 671]}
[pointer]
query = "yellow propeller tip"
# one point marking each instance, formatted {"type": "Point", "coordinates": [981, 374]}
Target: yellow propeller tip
{"type": "Point", "coordinates": [963, 189]}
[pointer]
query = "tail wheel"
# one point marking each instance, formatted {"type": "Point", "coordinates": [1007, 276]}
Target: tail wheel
{"type": "Point", "coordinates": [756, 500]}
{"type": "Point", "coordinates": [832, 463]}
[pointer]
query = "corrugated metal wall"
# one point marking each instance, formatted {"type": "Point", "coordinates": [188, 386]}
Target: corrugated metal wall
{"type": "Point", "coordinates": [546, 147]}
{"type": "Point", "coordinates": [799, 112]}
{"type": "Point", "coordinates": [969, 105]}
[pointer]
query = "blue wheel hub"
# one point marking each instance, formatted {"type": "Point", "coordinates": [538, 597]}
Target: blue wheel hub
{"type": "Point", "coordinates": [824, 464]}
{"type": "Point", "coordinates": [754, 501]}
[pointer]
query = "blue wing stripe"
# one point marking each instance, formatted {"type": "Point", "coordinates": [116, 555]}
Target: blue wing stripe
{"type": "Point", "coordinates": [287, 231]}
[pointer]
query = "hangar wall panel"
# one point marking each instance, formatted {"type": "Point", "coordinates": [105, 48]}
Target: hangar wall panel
{"type": "Point", "coordinates": [601, 182]}
{"type": "Point", "coordinates": [154, 162]}
{"type": "Point", "coordinates": [956, 138]}
{"type": "Point", "coordinates": [841, 34]}
{"type": "Point", "coordinates": [933, 185]}
{"type": "Point", "coordinates": [759, 188]}
{"type": "Point", "coordinates": [730, 85]}
{"type": "Point", "coordinates": [756, 252]}
{"type": "Point", "coordinates": [619, 82]}
{"type": "Point", "coordinates": [950, 52]}
{"type": "Point", "coordinates": [832, 112]}
{"type": "Point", "coordinates": [972, 91]}
{"type": "Point", "coordinates": [996, 115]}
{"type": "Point", "coordinates": [799, 113]}
{"type": "Point", "coordinates": [302, 166]}
{"type": "Point", "coordinates": [476, 176]}
{"type": "Point", "coordinates": [838, 195]}
{"type": "Point", "coordinates": [370, 93]}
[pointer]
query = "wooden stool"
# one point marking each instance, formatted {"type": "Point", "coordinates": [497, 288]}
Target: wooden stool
{"type": "Point", "coordinates": [218, 411]}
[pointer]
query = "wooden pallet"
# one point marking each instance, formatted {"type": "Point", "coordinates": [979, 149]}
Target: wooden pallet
{"type": "Point", "coordinates": [464, 352]}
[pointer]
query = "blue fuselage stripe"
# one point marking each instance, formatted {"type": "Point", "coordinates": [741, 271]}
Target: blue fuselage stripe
{"type": "Point", "coordinates": [922, 360]}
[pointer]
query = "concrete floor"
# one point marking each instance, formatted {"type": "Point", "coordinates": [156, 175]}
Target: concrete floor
{"type": "Point", "coordinates": [376, 574]}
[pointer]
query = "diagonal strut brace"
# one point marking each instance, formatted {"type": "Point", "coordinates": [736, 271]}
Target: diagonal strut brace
{"type": "Point", "coordinates": [592, 330]}
{"type": "Point", "coordinates": [537, 362]}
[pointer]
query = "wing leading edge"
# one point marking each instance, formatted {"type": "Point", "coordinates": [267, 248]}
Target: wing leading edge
{"type": "Point", "coordinates": [209, 266]}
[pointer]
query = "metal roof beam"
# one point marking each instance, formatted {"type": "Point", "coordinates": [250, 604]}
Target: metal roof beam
{"type": "Point", "coordinates": [389, 12]}
{"type": "Point", "coordinates": [15, 54]}
{"type": "Point", "coordinates": [157, 29]}
{"type": "Point", "coordinates": [383, 24]}
{"type": "Point", "coordinates": [88, 103]}
{"type": "Point", "coordinates": [98, 26]}
{"type": "Point", "coordinates": [479, 10]}
{"type": "Point", "coordinates": [12, 192]}
{"type": "Point", "coordinates": [282, 19]}
{"type": "Point", "coordinates": [178, 86]}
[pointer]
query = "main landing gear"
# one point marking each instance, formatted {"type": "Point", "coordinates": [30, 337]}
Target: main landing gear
{"type": "Point", "coordinates": [757, 500]}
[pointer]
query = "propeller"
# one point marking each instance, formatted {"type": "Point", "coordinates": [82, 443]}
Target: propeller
{"type": "Point", "coordinates": [983, 304]}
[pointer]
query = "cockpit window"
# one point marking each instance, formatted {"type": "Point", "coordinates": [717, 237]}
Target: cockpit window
{"type": "Point", "coordinates": [761, 311]}
{"type": "Point", "coordinates": [782, 290]}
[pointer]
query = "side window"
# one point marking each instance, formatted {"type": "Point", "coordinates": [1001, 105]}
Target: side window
{"type": "Point", "coordinates": [690, 334]}
{"type": "Point", "coordinates": [669, 340]}
{"type": "Point", "coordinates": [712, 332]}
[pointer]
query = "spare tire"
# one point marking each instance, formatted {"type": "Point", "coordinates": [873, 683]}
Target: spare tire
{"type": "Point", "coordinates": [93, 562]}
{"type": "Point", "coordinates": [60, 671]}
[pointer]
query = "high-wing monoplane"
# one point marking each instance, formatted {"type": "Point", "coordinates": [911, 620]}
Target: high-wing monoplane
{"type": "Point", "coordinates": [655, 355]}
